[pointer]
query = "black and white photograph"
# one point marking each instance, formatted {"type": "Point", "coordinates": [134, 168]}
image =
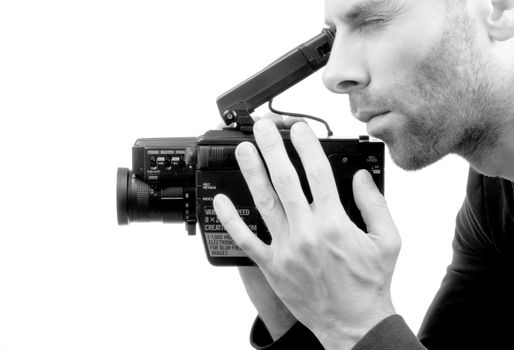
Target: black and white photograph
{"type": "Point", "coordinates": [275, 175]}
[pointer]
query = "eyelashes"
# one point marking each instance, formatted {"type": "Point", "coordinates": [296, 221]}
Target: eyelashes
{"type": "Point", "coordinates": [370, 23]}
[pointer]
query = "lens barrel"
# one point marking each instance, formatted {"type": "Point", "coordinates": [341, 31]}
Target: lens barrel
{"type": "Point", "coordinates": [122, 180]}
{"type": "Point", "coordinates": [136, 201]}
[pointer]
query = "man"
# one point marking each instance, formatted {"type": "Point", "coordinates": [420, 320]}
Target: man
{"type": "Point", "coordinates": [429, 78]}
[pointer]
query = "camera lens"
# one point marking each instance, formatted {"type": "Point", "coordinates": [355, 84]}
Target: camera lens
{"type": "Point", "coordinates": [122, 195]}
{"type": "Point", "coordinates": [133, 198]}
{"type": "Point", "coordinates": [138, 202]}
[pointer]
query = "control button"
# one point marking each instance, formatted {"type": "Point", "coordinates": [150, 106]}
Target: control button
{"type": "Point", "coordinates": [345, 159]}
{"type": "Point", "coordinates": [167, 162]}
{"type": "Point", "coordinates": [153, 163]}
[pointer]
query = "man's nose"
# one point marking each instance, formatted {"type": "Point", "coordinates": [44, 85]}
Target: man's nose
{"type": "Point", "coordinates": [346, 71]}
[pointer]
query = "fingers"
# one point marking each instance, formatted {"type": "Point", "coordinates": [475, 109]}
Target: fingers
{"type": "Point", "coordinates": [277, 119]}
{"type": "Point", "coordinates": [283, 174]}
{"type": "Point", "coordinates": [317, 168]}
{"type": "Point", "coordinates": [289, 122]}
{"type": "Point", "coordinates": [280, 121]}
{"type": "Point", "coordinates": [240, 233]}
{"type": "Point", "coordinates": [263, 194]}
{"type": "Point", "coordinates": [374, 210]}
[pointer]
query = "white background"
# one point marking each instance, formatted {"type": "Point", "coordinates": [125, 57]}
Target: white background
{"type": "Point", "coordinates": [80, 81]}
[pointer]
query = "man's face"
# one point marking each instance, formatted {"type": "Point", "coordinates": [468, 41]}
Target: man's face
{"type": "Point", "coordinates": [420, 63]}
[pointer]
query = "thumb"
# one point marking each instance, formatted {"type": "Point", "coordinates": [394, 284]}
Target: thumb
{"type": "Point", "coordinates": [373, 207]}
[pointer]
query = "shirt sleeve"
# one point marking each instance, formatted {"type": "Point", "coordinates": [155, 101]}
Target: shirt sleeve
{"type": "Point", "coordinates": [392, 333]}
{"type": "Point", "coordinates": [297, 337]}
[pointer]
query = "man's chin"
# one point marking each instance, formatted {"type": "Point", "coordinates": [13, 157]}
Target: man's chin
{"type": "Point", "coordinates": [409, 164]}
{"type": "Point", "coordinates": [408, 158]}
{"type": "Point", "coordinates": [401, 152]}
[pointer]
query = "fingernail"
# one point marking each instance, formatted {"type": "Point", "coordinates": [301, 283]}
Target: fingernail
{"type": "Point", "coordinates": [366, 177]}
{"type": "Point", "coordinates": [300, 128]}
{"type": "Point", "coordinates": [245, 150]}
{"type": "Point", "coordinates": [218, 200]}
{"type": "Point", "coordinates": [261, 125]}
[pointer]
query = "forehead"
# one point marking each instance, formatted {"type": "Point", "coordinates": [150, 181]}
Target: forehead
{"type": "Point", "coordinates": [348, 10]}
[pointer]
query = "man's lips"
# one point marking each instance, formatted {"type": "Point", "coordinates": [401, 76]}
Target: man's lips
{"type": "Point", "coordinates": [366, 116]}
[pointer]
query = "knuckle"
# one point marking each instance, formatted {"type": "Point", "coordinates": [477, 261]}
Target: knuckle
{"type": "Point", "coordinates": [333, 230]}
{"type": "Point", "coordinates": [305, 143]}
{"type": "Point", "coordinates": [271, 143]}
{"type": "Point", "coordinates": [267, 206]}
{"type": "Point", "coordinates": [285, 179]}
{"type": "Point", "coordinates": [307, 246]}
{"type": "Point", "coordinates": [287, 261]}
{"type": "Point", "coordinates": [253, 171]}
{"type": "Point", "coordinates": [320, 172]}
{"type": "Point", "coordinates": [377, 201]}
{"type": "Point", "coordinates": [394, 246]}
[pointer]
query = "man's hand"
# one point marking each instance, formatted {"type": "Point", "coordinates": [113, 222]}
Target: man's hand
{"type": "Point", "coordinates": [331, 275]}
{"type": "Point", "coordinates": [275, 315]}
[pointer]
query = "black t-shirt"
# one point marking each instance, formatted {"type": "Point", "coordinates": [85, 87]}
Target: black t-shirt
{"type": "Point", "coordinates": [474, 307]}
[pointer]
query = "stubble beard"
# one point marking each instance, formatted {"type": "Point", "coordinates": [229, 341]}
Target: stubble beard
{"type": "Point", "coordinates": [447, 104]}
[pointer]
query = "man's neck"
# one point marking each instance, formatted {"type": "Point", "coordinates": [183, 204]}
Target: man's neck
{"type": "Point", "coordinates": [499, 162]}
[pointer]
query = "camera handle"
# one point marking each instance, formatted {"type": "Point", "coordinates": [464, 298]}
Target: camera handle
{"type": "Point", "coordinates": [240, 116]}
{"type": "Point", "coordinates": [236, 105]}
{"type": "Point", "coordinates": [244, 122]}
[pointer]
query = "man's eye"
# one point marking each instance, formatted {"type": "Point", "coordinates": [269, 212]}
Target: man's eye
{"type": "Point", "coordinates": [372, 22]}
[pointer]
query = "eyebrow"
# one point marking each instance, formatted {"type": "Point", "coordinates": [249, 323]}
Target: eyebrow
{"type": "Point", "coordinates": [363, 9]}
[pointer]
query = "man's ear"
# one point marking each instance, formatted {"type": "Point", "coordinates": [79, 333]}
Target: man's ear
{"type": "Point", "coordinates": [501, 22]}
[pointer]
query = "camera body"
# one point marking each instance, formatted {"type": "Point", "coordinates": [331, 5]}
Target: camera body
{"type": "Point", "coordinates": [176, 179]}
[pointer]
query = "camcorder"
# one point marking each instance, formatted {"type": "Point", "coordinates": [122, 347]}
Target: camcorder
{"type": "Point", "coordinates": [174, 180]}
